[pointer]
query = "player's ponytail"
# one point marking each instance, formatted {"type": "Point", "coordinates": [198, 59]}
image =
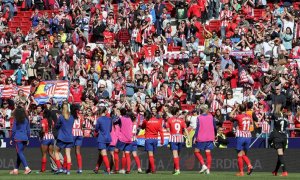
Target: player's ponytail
{"type": "Point", "coordinates": [148, 115]}
{"type": "Point", "coordinates": [47, 115]}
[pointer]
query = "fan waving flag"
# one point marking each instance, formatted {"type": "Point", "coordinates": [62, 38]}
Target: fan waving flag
{"type": "Point", "coordinates": [12, 91]}
{"type": "Point", "coordinates": [57, 90]}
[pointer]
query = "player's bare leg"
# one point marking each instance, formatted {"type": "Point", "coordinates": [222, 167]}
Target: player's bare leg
{"type": "Point", "coordinates": [198, 155]}
{"type": "Point", "coordinates": [112, 159]}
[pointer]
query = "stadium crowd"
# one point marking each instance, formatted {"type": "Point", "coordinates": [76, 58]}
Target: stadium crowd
{"type": "Point", "coordinates": [126, 58]}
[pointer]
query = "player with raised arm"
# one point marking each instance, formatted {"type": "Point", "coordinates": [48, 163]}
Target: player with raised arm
{"type": "Point", "coordinates": [104, 127]}
{"type": "Point", "coordinates": [153, 126]}
{"type": "Point", "coordinates": [243, 135]}
{"type": "Point", "coordinates": [78, 137]}
{"type": "Point", "coordinates": [278, 140]}
{"type": "Point", "coordinates": [124, 139]}
{"type": "Point", "coordinates": [204, 138]}
{"type": "Point", "coordinates": [176, 126]}
{"type": "Point", "coordinates": [47, 138]}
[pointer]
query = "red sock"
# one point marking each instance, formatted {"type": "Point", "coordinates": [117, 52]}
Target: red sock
{"type": "Point", "coordinates": [57, 162]}
{"type": "Point", "coordinates": [247, 161]}
{"type": "Point", "coordinates": [68, 166]}
{"type": "Point", "coordinates": [44, 162]}
{"type": "Point", "coordinates": [137, 161]}
{"type": "Point", "coordinates": [65, 162]}
{"type": "Point", "coordinates": [199, 157]}
{"type": "Point", "coordinates": [128, 161]}
{"type": "Point", "coordinates": [208, 159]}
{"type": "Point", "coordinates": [106, 163]}
{"type": "Point", "coordinates": [79, 161]}
{"type": "Point", "coordinates": [240, 163]}
{"type": "Point", "coordinates": [116, 157]}
{"type": "Point", "coordinates": [176, 163]}
{"type": "Point", "coordinates": [152, 164]}
{"type": "Point", "coordinates": [123, 162]}
{"type": "Point", "coordinates": [99, 162]}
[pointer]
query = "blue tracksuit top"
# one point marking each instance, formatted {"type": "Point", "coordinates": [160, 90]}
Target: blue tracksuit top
{"type": "Point", "coordinates": [64, 128]}
{"type": "Point", "coordinates": [21, 131]}
{"type": "Point", "coordinates": [104, 126]}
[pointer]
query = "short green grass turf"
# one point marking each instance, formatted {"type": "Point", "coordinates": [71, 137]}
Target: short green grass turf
{"type": "Point", "coordinates": [186, 175]}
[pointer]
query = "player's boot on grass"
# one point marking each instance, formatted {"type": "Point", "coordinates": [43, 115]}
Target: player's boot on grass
{"type": "Point", "coordinates": [59, 171]}
{"type": "Point", "coordinates": [14, 172]}
{"type": "Point", "coordinates": [274, 173]}
{"type": "Point", "coordinates": [285, 173]}
{"type": "Point", "coordinates": [203, 169]}
{"type": "Point", "coordinates": [122, 171]}
{"type": "Point", "coordinates": [250, 170]}
{"type": "Point", "coordinates": [140, 171]}
{"type": "Point", "coordinates": [207, 171]}
{"type": "Point", "coordinates": [68, 173]}
{"type": "Point", "coordinates": [96, 170]}
{"type": "Point", "coordinates": [27, 171]}
{"type": "Point", "coordinates": [240, 174]}
{"type": "Point", "coordinates": [127, 172]}
{"type": "Point", "coordinates": [176, 172]}
{"type": "Point", "coordinates": [79, 171]}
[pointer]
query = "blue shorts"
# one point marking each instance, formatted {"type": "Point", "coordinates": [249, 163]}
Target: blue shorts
{"type": "Point", "coordinates": [78, 140]}
{"type": "Point", "coordinates": [102, 145]}
{"type": "Point", "coordinates": [176, 146]}
{"type": "Point", "coordinates": [63, 145]}
{"type": "Point", "coordinates": [209, 145]}
{"type": "Point", "coordinates": [151, 144]}
{"type": "Point", "coordinates": [243, 143]}
{"type": "Point", "coordinates": [111, 148]}
{"type": "Point", "coordinates": [123, 146]}
{"type": "Point", "coordinates": [133, 146]}
{"type": "Point", "coordinates": [47, 142]}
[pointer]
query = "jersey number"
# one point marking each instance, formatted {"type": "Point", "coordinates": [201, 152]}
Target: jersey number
{"type": "Point", "coordinates": [246, 125]}
{"type": "Point", "coordinates": [134, 129]}
{"type": "Point", "coordinates": [177, 127]}
{"type": "Point", "coordinates": [282, 126]}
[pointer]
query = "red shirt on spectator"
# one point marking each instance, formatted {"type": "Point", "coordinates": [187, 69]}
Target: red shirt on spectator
{"type": "Point", "coordinates": [76, 93]}
{"type": "Point", "coordinates": [108, 37]}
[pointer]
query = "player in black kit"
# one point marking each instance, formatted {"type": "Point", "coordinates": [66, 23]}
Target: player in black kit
{"type": "Point", "coordinates": [278, 140]}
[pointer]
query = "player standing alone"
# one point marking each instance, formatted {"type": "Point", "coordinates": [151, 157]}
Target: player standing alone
{"type": "Point", "coordinates": [176, 126]}
{"type": "Point", "coordinates": [278, 139]}
{"type": "Point", "coordinates": [243, 135]}
{"type": "Point", "coordinates": [204, 138]}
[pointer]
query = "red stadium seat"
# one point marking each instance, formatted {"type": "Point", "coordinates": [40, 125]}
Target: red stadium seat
{"type": "Point", "coordinates": [8, 73]}
{"type": "Point", "coordinates": [188, 107]}
{"type": "Point", "coordinates": [228, 127]}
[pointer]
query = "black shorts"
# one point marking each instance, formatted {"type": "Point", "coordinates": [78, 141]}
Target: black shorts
{"type": "Point", "coordinates": [279, 140]}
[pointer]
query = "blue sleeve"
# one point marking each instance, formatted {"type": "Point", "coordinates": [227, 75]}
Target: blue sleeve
{"type": "Point", "coordinates": [97, 128]}
{"type": "Point", "coordinates": [110, 127]}
{"type": "Point", "coordinates": [28, 129]}
{"type": "Point", "coordinates": [58, 123]}
{"type": "Point", "coordinates": [197, 129]}
{"type": "Point", "coordinates": [13, 130]}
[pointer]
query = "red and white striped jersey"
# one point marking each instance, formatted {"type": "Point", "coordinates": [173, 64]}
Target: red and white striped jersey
{"type": "Point", "coordinates": [244, 121]}
{"type": "Point", "coordinates": [47, 133]}
{"type": "Point", "coordinates": [77, 127]}
{"type": "Point", "coordinates": [176, 126]}
{"type": "Point", "coordinates": [225, 14]}
{"type": "Point", "coordinates": [291, 119]}
{"type": "Point", "coordinates": [215, 104]}
{"type": "Point", "coordinates": [265, 127]}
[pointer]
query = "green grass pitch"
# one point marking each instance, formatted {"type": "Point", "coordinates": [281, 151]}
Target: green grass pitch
{"type": "Point", "coordinates": [186, 175]}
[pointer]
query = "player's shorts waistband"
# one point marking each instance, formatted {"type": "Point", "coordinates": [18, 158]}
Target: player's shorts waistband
{"type": "Point", "coordinates": [151, 138]}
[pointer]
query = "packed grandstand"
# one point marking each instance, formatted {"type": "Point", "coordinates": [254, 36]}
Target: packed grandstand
{"type": "Point", "coordinates": [141, 54]}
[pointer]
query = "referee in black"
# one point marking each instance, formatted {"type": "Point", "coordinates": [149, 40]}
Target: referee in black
{"type": "Point", "coordinates": [278, 140]}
